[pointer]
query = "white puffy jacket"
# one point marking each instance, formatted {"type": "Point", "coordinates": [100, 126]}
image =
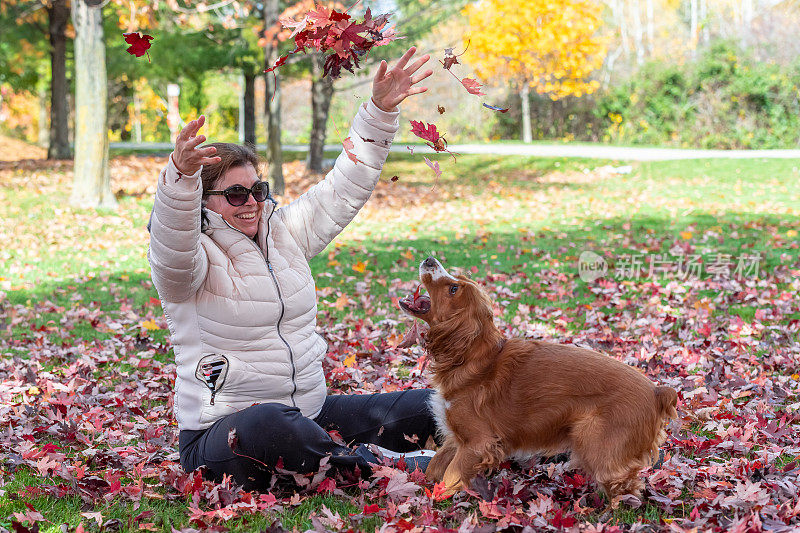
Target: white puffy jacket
{"type": "Point", "coordinates": [242, 312]}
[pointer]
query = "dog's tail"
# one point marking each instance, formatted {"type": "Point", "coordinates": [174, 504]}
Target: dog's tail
{"type": "Point", "coordinates": [667, 401]}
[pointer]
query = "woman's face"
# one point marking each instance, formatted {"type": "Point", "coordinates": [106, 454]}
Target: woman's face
{"type": "Point", "coordinates": [245, 217]}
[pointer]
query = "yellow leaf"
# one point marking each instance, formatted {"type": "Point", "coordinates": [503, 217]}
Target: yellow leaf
{"type": "Point", "coordinates": [333, 263]}
{"type": "Point", "coordinates": [361, 266]}
{"type": "Point", "coordinates": [350, 361]}
{"type": "Point", "coordinates": [33, 391]}
{"type": "Point", "coordinates": [150, 325]}
{"type": "Point", "coordinates": [408, 255]}
{"type": "Point", "coordinates": [686, 235]}
{"type": "Point", "coordinates": [791, 233]}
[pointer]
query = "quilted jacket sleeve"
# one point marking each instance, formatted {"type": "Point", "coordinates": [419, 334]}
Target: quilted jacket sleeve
{"type": "Point", "coordinates": [325, 209]}
{"type": "Point", "coordinates": [178, 262]}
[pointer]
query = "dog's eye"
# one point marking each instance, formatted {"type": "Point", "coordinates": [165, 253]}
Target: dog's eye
{"type": "Point", "coordinates": [453, 289]}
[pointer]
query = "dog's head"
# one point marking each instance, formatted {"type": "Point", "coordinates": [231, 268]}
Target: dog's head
{"type": "Point", "coordinates": [456, 308]}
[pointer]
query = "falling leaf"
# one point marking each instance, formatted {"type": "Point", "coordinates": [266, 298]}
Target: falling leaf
{"type": "Point", "coordinates": [336, 33]}
{"type": "Point", "coordinates": [395, 178]}
{"type": "Point", "coordinates": [472, 86]}
{"type": "Point", "coordinates": [424, 131]}
{"type": "Point", "coordinates": [501, 109]}
{"type": "Point", "coordinates": [348, 146]}
{"type": "Point", "coordinates": [440, 109]}
{"type": "Point", "coordinates": [434, 166]}
{"type": "Point", "coordinates": [139, 44]}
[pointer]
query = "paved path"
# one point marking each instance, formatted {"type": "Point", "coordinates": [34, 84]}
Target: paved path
{"type": "Point", "coordinates": [620, 153]}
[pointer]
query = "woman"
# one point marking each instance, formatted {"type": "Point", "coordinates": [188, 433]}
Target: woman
{"type": "Point", "coordinates": [233, 276]}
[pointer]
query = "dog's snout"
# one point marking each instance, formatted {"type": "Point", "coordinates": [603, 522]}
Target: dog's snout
{"type": "Point", "coordinates": [430, 262]}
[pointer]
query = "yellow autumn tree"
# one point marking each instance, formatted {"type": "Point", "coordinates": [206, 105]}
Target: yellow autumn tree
{"type": "Point", "coordinates": [550, 46]}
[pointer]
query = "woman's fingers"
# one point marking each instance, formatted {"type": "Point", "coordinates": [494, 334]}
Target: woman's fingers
{"type": "Point", "coordinates": [191, 128]}
{"type": "Point", "coordinates": [195, 141]}
{"type": "Point", "coordinates": [417, 64]}
{"type": "Point", "coordinates": [210, 160]}
{"type": "Point", "coordinates": [381, 70]}
{"type": "Point", "coordinates": [419, 77]}
{"type": "Point", "coordinates": [401, 63]}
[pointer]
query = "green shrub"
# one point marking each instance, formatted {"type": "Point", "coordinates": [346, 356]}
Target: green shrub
{"type": "Point", "coordinates": [724, 99]}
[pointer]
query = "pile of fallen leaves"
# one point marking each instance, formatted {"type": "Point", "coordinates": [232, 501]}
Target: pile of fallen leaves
{"type": "Point", "coordinates": [91, 415]}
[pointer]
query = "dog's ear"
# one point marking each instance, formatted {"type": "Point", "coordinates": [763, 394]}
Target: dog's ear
{"type": "Point", "coordinates": [452, 340]}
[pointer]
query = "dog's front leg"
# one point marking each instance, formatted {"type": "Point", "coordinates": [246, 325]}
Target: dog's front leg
{"type": "Point", "coordinates": [442, 459]}
{"type": "Point", "coordinates": [461, 470]}
{"type": "Point", "coordinates": [452, 479]}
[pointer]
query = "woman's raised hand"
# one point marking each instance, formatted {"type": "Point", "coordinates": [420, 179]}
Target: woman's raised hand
{"type": "Point", "coordinates": [392, 87]}
{"type": "Point", "coordinates": [187, 157]}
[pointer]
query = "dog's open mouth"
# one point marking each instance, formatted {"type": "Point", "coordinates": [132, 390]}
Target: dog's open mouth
{"type": "Point", "coordinates": [416, 304]}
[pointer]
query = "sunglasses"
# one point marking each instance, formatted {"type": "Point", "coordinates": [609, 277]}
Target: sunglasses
{"type": "Point", "coordinates": [237, 194]}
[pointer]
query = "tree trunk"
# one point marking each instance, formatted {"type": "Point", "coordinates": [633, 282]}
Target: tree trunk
{"type": "Point", "coordinates": [43, 138]}
{"type": "Point", "coordinates": [137, 115]}
{"type": "Point", "coordinates": [250, 108]}
{"type": "Point", "coordinates": [91, 185]}
{"type": "Point", "coordinates": [618, 10]}
{"type": "Point", "coordinates": [58, 147]}
{"type": "Point", "coordinates": [527, 137]}
{"type": "Point", "coordinates": [321, 94]}
{"type": "Point", "coordinates": [638, 32]}
{"type": "Point", "coordinates": [272, 108]}
{"type": "Point", "coordinates": [651, 28]}
{"type": "Point", "coordinates": [693, 25]}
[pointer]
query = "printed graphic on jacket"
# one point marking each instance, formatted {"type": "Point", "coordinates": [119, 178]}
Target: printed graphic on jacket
{"type": "Point", "coordinates": [212, 370]}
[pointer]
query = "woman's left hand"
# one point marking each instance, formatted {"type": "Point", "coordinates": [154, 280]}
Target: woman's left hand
{"type": "Point", "coordinates": [392, 87]}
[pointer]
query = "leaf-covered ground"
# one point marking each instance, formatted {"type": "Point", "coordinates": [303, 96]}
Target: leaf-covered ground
{"type": "Point", "coordinates": [86, 370]}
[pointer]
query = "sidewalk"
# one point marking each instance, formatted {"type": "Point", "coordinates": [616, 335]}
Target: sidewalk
{"type": "Point", "coordinates": [618, 153]}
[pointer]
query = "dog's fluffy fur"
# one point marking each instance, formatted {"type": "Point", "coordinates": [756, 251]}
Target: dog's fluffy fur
{"type": "Point", "coordinates": [499, 398]}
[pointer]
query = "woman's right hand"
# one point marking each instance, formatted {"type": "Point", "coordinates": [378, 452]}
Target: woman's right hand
{"type": "Point", "coordinates": [187, 157]}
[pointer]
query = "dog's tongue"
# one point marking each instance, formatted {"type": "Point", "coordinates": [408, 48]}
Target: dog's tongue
{"type": "Point", "coordinates": [413, 336]}
{"type": "Point", "coordinates": [419, 303]}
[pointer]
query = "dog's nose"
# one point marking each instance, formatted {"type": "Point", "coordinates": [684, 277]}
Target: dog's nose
{"type": "Point", "coordinates": [430, 262]}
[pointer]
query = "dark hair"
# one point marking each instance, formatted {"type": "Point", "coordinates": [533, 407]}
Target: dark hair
{"type": "Point", "coordinates": [232, 155]}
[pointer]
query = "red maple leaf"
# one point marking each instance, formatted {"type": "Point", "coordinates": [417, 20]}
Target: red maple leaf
{"type": "Point", "coordinates": [427, 132]}
{"type": "Point", "coordinates": [139, 43]}
{"type": "Point", "coordinates": [328, 30]}
{"type": "Point", "coordinates": [472, 86]}
{"type": "Point", "coordinates": [348, 145]}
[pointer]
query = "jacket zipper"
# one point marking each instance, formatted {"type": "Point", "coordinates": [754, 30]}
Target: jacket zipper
{"type": "Point", "coordinates": [280, 299]}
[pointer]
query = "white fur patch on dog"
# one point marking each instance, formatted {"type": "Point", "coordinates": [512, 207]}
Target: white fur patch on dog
{"type": "Point", "coordinates": [438, 406]}
{"type": "Point", "coordinates": [437, 272]}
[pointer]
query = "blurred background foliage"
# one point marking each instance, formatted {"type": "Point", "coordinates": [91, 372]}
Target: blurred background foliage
{"type": "Point", "coordinates": [688, 73]}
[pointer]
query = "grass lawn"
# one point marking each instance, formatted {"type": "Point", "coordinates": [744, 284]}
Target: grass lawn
{"type": "Point", "coordinates": [86, 364]}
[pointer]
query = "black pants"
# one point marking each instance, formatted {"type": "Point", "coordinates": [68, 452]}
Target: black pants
{"type": "Point", "coordinates": [399, 421]}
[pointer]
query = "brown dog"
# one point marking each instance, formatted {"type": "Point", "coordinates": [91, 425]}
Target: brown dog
{"type": "Point", "coordinates": [499, 398]}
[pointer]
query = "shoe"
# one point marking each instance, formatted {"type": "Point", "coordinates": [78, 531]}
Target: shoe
{"type": "Point", "coordinates": [417, 460]}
